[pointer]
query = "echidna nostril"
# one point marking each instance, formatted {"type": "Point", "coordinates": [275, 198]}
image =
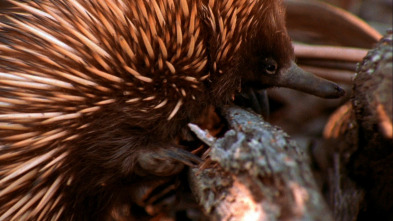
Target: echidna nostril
{"type": "Point", "coordinates": [340, 91]}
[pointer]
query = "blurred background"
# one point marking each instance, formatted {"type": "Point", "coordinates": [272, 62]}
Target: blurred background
{"type": "Point", "coordinates": [378, 13]}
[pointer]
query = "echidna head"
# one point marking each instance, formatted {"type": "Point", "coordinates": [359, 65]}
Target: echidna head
{"type": "Point", "coordinates": [261, 51]}
{"type": "Point", "coordinates": [271, 63]}
{"type": "Point", "coordinates": [266, 71]}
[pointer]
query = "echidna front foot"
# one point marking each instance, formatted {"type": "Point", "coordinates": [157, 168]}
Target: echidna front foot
{"type": "Point", "coordinates": [164, 161]}
{"type": "Point", "coordinates": [257, 100]}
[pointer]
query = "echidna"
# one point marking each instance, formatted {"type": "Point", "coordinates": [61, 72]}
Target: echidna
{"type": "Point", "coordinates": [94, 92]}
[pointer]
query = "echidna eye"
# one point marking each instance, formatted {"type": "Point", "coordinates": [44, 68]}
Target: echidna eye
{"type": "Point", "coordinates": [271, 68]}
{"type": "Point", "coordinates": [269, 65]}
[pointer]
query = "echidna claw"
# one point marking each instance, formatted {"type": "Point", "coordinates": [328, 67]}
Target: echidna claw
{"type": "Point", "coordinates": [165, 161]}
{"type": "Point", "coordinates": [257, 100]}
{"type": "Point", "coordinates": [184, 157]}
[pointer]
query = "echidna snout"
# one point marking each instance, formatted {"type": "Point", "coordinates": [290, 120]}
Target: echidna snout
{"type": "Point", "coordinates": [296, 78]}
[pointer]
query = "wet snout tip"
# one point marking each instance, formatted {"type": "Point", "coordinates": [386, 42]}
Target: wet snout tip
{"type": "Point", "coordinates": [334, 91]}
{"type": "Point", "coordinates": [340, 91]}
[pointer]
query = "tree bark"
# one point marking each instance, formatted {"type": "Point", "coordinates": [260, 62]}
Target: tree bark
{"type": "Point", "coordinates": [360, 138]}
{"type": "Point", "coordinates": [256, 173]}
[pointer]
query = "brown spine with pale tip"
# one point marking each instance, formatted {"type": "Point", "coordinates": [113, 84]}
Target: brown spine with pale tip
{"type": "Point", "coordinates": [94, 92]}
